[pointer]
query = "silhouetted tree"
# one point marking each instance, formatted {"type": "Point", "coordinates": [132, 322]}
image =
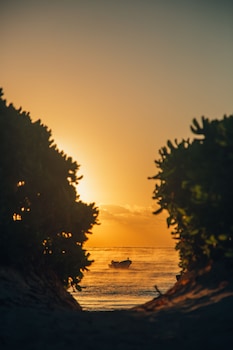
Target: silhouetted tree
{"type": "Point", "coordinates": [42, 220]}
{"type": "Point", "coordinates": [194, 184]}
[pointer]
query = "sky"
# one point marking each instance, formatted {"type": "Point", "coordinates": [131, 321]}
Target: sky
{"type": "Point", "coordinates": [114, 80]}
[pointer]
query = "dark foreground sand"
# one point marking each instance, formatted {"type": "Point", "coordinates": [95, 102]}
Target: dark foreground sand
{"type": "Point", "coordinates": [195, 314]}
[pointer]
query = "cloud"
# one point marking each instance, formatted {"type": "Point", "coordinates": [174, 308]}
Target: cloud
{"type": "Point", "coordinates": [127, 213]}
{"type": "Point", "coordinates": [130, 225]}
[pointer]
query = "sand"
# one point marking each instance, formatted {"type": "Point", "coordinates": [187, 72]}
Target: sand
{"type": "Point", "coordinates": [197, 313]}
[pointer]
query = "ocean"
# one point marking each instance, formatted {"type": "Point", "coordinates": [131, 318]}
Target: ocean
{"type": "Point", "coordinates": [107, 289]}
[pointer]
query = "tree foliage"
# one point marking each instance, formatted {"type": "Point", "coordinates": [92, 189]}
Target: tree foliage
{"type": "Point", "coordinates": [42, 220]}
{"type": "Point", "coordinates": [194, 184]}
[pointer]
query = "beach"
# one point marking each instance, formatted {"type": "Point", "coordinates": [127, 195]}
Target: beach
{"type": "Point", "coordinates": [209, 327]}
{"type": "Point", "coordinates": [196, 313]}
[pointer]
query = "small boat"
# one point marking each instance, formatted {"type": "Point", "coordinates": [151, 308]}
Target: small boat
{"type": "Point", "coordinates": [124, 264]}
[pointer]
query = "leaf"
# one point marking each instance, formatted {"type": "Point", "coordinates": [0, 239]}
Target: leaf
{"type": "Point", "coordinates": [223, 237]}
{"type": "Point", "coordinates": [158, 211]}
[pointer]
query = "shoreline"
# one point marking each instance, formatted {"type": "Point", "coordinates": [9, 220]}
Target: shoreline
{"type": "Point", "coordinates": [196, 313]}
{"type": "Point", "coordinates": [206, 327]}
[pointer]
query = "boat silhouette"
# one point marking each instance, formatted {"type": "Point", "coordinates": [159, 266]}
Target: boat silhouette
{"type": "Point", "coordinates": [124, 264]}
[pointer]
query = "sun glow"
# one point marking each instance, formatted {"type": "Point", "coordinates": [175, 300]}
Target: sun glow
{"type": "Point", "coordinates": [84, 189]}
{"type": "Point", "coordinates": [85, 192]}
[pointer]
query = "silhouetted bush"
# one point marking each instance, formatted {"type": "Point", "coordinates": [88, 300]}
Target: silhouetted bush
{"type": "Point", "coordinates": [42, 221]}
{"type": "Point", "coordinates": [195, 185]}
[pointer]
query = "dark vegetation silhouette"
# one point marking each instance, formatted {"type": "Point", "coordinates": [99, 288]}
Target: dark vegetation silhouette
{"type": "Point", "coordinates": [194, 184]}
{"type": "Point", "coordinates": [43, 223]}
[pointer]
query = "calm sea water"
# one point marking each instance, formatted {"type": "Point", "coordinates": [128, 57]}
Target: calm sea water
{"type": "Point", "coordinates": [106, 289]}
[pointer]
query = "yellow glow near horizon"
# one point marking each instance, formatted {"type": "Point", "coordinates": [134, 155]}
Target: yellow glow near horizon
{"type": "Point", "coordinates": [127, 226]}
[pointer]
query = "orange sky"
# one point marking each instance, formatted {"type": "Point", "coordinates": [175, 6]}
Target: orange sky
{"type": "Point", "coordinates": [114, 80]}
